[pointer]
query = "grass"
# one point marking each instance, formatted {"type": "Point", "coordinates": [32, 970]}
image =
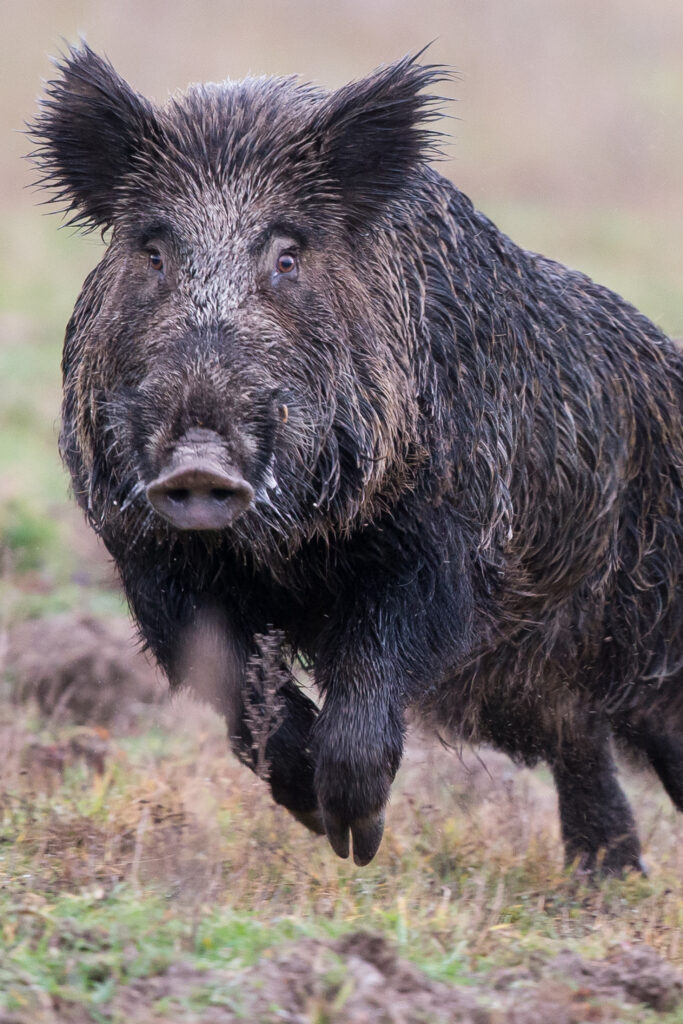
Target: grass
{"type": "Point", "coordinates": [175, 854]}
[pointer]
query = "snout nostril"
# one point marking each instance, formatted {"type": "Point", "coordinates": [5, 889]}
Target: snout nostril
{"type": "Point", "coordinates": [221, 493]}
{"type": "Point", "coordinates": [184, 494]}
{"type": "Point", "coordinates": [178, 494]}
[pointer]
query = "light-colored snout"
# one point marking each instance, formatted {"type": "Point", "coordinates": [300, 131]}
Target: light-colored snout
{"type": "Point", "coordinates": [198, 489]}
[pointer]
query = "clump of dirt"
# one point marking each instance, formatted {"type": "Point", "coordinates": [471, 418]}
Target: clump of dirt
{"type": "Point", "coordinates": [356, 980]}
{"type": "Point", "coordinates": [81, 669]}
{"type": "Point", "coordinates": [360, 979]}
{"type": "Point", "coordinates": [593, 989]}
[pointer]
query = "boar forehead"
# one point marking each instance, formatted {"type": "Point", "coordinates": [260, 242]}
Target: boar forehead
{"type": "Point", "coordinates": [211, 242]}
{"type": "Point", "coordinates": [230, 162]}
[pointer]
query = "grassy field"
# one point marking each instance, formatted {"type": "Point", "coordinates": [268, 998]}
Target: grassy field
{"type": "Point", "coordinates": [160, 867]}
{"type": "Point", "coordinates": [144, 876]}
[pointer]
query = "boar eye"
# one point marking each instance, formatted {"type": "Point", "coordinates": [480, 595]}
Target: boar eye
{"type": "Point", "coordinates": [155, 260]}
{"type": "Point", "coordinates": [286, 264]}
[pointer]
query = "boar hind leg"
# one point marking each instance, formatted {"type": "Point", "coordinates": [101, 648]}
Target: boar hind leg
{"type": "Point", "coordinates": [665, 754]}
{"type": "Point", "coordinates": [663, 750]}
{"type": "Point", "coordinates": [598, 829]}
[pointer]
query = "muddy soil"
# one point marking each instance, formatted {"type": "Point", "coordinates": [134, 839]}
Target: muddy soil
{"type": "Point", "coordinates": [82, 669]}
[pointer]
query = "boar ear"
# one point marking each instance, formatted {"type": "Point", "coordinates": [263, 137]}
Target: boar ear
{"type": "Point", "coordinates": [374, 134]}
{"type": "Point", "coordinates": [86, 134]}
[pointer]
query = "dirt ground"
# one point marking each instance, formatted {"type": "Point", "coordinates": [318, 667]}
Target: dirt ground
{"type": "Point", "coordinates": [82, 669]}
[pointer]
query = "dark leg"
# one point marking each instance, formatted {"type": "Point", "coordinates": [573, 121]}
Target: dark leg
{"type": "Point", "coordinates": [598, 828]}
{"type": "Point", "coordinates": [247, 680]}
{"type": "Point", "coordinates": [597, 823]}
{"type": "Point", "coordinates": [358, 743]}
{"type": "Point", "coordinates": [663, 750]}
{"type": "Point", "coordinates": [665, 754]}
{"type": "Point", "coordinates": [271, 735]}
{"type": "Point", "coordinates": [358, 738]}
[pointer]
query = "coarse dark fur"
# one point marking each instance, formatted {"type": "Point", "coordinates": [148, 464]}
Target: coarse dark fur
{"type": "Point", "coordinates": [465, 458]}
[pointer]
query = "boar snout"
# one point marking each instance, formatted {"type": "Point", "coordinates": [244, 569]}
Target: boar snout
{"type": "Point", "coordinates": [198, 489]}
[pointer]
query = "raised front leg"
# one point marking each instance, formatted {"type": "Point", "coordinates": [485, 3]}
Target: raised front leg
{"type": "Point", "coordinates": [358, 745]}
{"type": "Point", "coordinates": [380, 653]}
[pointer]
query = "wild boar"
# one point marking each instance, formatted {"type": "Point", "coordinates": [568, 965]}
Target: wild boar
{"type": "Point", "coordinates": [313, 399]}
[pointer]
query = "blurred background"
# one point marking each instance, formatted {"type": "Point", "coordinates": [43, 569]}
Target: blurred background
{"type": "Point", "coordinates": [565, 127]}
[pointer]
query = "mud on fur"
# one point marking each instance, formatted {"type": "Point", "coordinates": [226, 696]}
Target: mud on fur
{"type": "Point", "coordinates": [316, 405]}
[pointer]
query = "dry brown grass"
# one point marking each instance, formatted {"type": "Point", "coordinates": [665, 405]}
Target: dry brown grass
{"type": "Point", "coordinates": [467, 835]}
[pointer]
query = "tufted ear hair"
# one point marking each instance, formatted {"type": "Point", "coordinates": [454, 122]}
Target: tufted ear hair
{"type": "Point", "coordinates": [374, 135]}
{"type": "Point", "coordinates": [87, 132]}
